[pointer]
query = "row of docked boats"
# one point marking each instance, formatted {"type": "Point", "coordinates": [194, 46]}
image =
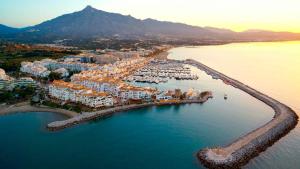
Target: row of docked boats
{"type": "Point", "coordinates": [145, 79]}
{"type": "Point", "coordinates": [178, 76]}
{"type": "Point", "coordinates": [158, 71]}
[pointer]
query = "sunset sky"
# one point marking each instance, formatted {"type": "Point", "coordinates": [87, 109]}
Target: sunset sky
{"type": "Point", "coordinates": [238, 15]}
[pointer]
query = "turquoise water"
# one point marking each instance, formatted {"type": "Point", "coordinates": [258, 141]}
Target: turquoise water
{"type": "Point", "coordinates": [166, 137]}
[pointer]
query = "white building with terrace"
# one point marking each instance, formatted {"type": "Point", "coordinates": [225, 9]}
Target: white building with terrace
{"type": "Point", "coordinates": [70, 92]}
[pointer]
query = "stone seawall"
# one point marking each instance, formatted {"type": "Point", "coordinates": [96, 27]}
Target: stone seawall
{"type": "Point", "coordinates": [240, 151]}
{"type": "Point", "coordinates": [58, 125]}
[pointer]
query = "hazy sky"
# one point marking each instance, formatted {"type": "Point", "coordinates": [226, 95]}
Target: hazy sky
{"type": "Point", "coordinates": [239, 15]}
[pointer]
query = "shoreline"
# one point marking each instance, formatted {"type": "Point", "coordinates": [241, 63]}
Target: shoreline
{"type": "Point", "coordinates": [59, 125]}
{"type": "Point", "coordinates": [242, 150]}
{"type": "Point", "coordinates": [25, 107]}
{"type": "Point", "coordinates": [163, 55]}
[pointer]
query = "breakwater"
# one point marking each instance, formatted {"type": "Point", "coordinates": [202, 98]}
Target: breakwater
{"type": "Point", "coordinates": [240, 151]}
{"type": "Point", "coordinates": [58, 125]}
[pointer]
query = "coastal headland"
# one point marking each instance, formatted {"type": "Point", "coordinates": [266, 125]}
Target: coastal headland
{"type": "Point", "coordinates": [240, 151]}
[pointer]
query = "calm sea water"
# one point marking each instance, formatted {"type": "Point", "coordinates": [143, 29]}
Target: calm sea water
{"type": "Point", "coordinates": [165, 137]}
{"type": "Point", "coordinates": [273, 68]}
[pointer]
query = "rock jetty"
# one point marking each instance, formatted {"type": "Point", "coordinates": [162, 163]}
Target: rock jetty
{"type": "Point", "coordinates": [240, 151]}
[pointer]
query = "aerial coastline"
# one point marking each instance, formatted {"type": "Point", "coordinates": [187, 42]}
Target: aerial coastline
{"type": "Point", "coordinates": [234, 155]}
{"type": "Point", "coordinates": [150, 84]}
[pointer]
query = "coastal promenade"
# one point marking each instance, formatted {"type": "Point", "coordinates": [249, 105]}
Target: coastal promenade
{"type": "Point", "coordinates": [25, 107]}
{"type": "Point", "coordinates": [58, 125]}
{"type": "Point", "coordinates": [240, 151]}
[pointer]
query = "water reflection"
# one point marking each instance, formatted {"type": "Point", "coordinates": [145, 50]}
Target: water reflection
{"type": "Point", "coordinates": [272, 68]}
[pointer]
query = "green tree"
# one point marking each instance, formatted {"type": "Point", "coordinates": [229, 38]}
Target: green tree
{"type": "Point", "coordinates": [54, 76]}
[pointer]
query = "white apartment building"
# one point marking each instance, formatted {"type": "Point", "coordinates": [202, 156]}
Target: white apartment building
{"type": "Point", "coordinates": [135, 93]}
{"type": "Point", "coordinates": [79, 94]}
{"type": "Point", "coordinates": [164, 96]}
{"type": "Point", "coordinates": [103, 84]}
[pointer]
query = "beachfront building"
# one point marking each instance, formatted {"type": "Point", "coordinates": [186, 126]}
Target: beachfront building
{"type": "Point", "coordinates": [128, 92]}
{"type": "Point", "coordinates": [100, 84]}
{"type": "Point", "coordinates": [96, 100]}
{"type": "Point", "coordinates": [70, 92]}
{"type": "Point", "coordinates": [167, 95]}
{"type": "Point", "coordinates": [114, 87]}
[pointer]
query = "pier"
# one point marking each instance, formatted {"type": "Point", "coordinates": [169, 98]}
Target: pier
{"type": "Point", "coordinates": [240, 151]}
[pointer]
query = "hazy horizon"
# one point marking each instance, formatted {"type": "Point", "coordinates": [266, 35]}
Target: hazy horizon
{"type": "Point", "coordinates": [238, 16]}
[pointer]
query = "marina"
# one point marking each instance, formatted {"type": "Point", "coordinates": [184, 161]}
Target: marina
{"type": "Point", "coordinates": [159, 71]}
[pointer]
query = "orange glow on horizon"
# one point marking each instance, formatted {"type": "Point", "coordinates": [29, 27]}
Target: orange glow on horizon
{"type": "Point", "coordinates": [237, 15]}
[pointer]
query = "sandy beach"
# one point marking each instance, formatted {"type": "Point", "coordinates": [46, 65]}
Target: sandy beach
{"type": "Point", "coordinates": [25, 107]}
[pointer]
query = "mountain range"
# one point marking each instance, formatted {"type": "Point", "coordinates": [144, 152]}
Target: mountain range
{"type": "Point", "coordinates": [94, 23]}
